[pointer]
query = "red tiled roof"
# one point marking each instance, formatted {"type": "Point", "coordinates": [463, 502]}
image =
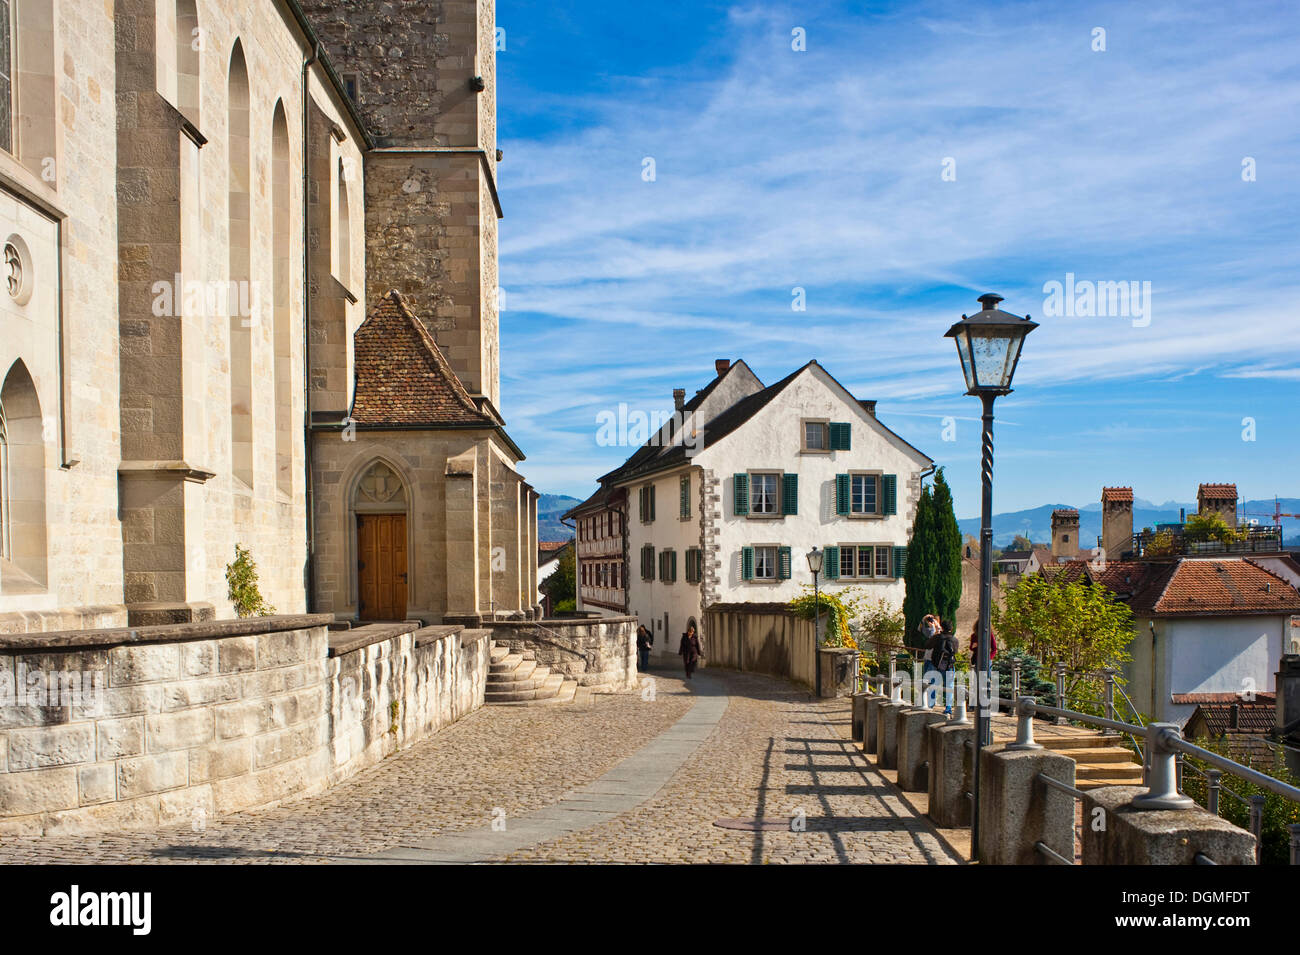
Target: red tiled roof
{"type": "Point", "coordinates": [1117, 494]}
{"type": "Point", "coordinates": [403, 377]}
{"type": "Point", "coordinates": [1268, 699]}
{"type": "Point", "coordinates": [1066, 512]}
{"type": "Point", "coordinates": [1218, 492]}
{"type": "Point", "coordinates": [550, 545]}
{"type": "Point", "coordinates": [1124, 577]}
{"type": "Point", "coordinates": [1190, 587]}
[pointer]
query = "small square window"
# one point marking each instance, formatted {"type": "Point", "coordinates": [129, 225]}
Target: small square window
{"type": "Point", "coordinates": [816, 436]}
{"type": "Point", "coordinates": [882, 562]}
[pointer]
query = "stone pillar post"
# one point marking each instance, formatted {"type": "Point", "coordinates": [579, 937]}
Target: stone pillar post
{"type": "Point", "coordinates": [1017, 810]}
{"type": "Point", "coordinates": [950, 772]}
{"type": "Point", "coordinates": [914, 748]}
{"type": "Point", "coordinates": [887, 735]}
{"type": "Point", "coordinates": [1114, 833]}
{"type": "Point", "coordinates": [871, 726]}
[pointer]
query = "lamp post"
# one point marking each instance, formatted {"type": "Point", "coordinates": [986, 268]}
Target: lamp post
{"type": "Point", "coordinates": [815, 565]}
{"type": "Point", "coordinates": [988, 344]}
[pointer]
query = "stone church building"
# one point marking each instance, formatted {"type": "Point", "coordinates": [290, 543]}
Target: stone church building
{"type": "Point", "coordinates": [250, 256]}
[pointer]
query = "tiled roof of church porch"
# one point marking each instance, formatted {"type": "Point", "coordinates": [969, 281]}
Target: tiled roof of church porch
{"type": "Point", "coordinates": [403, 378]}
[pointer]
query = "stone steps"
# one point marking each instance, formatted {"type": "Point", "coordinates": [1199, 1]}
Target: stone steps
{"type": "Point", "coordinates": [516, 679]}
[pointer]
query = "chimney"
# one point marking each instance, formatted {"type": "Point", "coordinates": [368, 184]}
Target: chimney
{"type": "Point", "coordinates": [1116, 521]}
{"type": "Point", "coordinates": [1219, 499]}
{"type": "Point", "coordinates": [1234, 716]}
{"type": "Point", "coordinates": [720, 365]}
{"type": "Point", "coordinates": [679, 398]}
{"type": "Point", "coordinates": [1065, 533]}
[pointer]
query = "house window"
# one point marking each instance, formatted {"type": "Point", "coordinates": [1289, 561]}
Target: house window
{"type": "Point", "coordinates": [685, 495]}
{"type": "Point", "coordinates": [668, 566]}
{"type": "Point", "coordinates": [694, 565]}
{"type": "Point", "coordinates": [816, 436]}
{"type": "Point", "coordinates": [763, 494]}
{"type": "Point", "coordinates": [765, 563]}
{"type": "Point", "coordinates": [350, 86]}
{"type": "Point", "coordinates": [647, 502]}
{"type": "Point", "coordinates": [866, 561]}
{"type": "Point", "coordinates": [648, 562]}
{"type": "Point", "coordinates": [864, 495]}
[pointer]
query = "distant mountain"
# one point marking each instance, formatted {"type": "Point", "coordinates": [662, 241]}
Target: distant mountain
{"type": "Point", "coordinates": [549, 509]}
{"type": "Point", "coordinates": [1036, 522]}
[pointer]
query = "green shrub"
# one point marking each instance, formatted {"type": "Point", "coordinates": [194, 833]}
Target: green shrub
{"type": "Point", "coordinates": [241, 577]}
{"type": "Point", "coordinates": [1278, 812]}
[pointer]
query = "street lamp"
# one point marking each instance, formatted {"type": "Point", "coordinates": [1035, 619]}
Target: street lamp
{"type": "Point", "coordinates": [988, 344]}
{"type": "Point", "coordinates": [815, 557]}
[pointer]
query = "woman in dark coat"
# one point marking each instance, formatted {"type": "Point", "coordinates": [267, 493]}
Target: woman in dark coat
{"type": "Point", "coordinates": [690, 650]}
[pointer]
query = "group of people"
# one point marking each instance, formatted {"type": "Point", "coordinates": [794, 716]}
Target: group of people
{"type": "Point", "coordinates": [939, 655]}
{"type": "Point", "coordinates": [690, 649]}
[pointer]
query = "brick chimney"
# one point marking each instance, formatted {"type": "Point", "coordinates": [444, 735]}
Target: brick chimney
{"type": "Point", "coordinates": [720, 365]}
{"type": "Point", "coordinates": [1218, 499]}
{"type": "Point", "coordinates": [1065, 532]}
{"type": "Point", "coordinates": [679, 398]}
{"type": "Point", "coordinates": [1116, 521]}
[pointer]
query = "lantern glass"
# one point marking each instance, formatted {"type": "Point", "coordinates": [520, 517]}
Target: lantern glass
{"type": "Point", "coordinates": [815, 560]}
{"type": "Point", "coordinates": [994, 351]}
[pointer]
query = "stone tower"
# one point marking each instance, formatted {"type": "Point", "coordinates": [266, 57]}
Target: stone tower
{"type": "Point", "coordinates": [1116, 521]}
{"type": "Point", "coordinates": [1065, 532]}
{"type": "Point", "coordinates": [423, 77]}
{"type": "Point", "coordinates": [1218, 499]}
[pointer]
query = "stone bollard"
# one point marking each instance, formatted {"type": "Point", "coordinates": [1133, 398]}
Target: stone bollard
{"type": "Point", "coordinates": [950, 770]}
{"type": "Point", "coordinates": [914, 748]}
{"type": "Point", "coordinates": [860, 715]}
{"type": "Point", "coordinates": [872, 724]}
{"type": "Point", "coordinates": [1114, 833]}
{"type": "Point", "coordinates": [1018, 810]}
{"type": "Point", "coordinates": [887, 734]}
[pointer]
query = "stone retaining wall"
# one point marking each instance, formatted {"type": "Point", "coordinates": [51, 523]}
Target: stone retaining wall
{"type": "Point", "coordinates": [599, 653]}
{"type": "Point", "coordinates": [161, 725]}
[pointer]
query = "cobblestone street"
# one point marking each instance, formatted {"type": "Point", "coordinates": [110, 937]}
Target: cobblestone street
{"type": "Point", "coordinates": [768, 751]}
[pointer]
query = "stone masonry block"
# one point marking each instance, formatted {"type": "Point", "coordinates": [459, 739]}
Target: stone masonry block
{"type": "Point", "coordinates": [143, 664]}
{"type": "Point", "coordinates": [1129, 836]}
{"type": "Point", "coordinates": [167, 732]}
{"type": "Point", "coordinates": [97, 783]}
{"type": "Point", "coordinates": [40, 746]}
{"type": "Point", "coordinates": [42, 790]}
{"type": "Point", "coordinates": [150, 774]}
{"type": "Point", "coordinates": [120, 737]}
{"type": "Point", "coordinates": [1017, 810]}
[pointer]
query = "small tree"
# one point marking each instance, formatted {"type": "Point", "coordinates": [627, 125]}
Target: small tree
{"type": "Point", "coordinates": [241, 578]}
{"type": "Point", "coordinates": [1021, 542]}
{"type": "Point", "coordinates": [1208, 527]}
{"type": "Point", "coordinates": [1079, 624]}
{"type": "Point", "coordinates": [562, 585]}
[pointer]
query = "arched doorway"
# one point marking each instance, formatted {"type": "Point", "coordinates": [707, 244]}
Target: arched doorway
{"type": "Point", "coordinates": [380, 505]}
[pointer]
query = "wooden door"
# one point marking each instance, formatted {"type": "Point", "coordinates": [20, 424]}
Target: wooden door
{"type": "Point", "coordinates": [381, 566]}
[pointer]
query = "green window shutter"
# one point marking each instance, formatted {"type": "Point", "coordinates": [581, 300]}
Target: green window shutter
{"type": "Point", "coordinates": [783, 563]}
{"type": "Point", "coordinates": [652, 502]}
{"type": "Point", "coordinates": [747, 563]}
{"type": "Point", "coordinates": [840, 440]}
{"type": "Point", "coordinates": [672, 572]}
{"type": "Point", "coordinates": [831, 563]}
{"type": "Point", "coordinates": [686, 496]}
{"type": "Point", "coordinates": [741, 484]}
{"type": "Point", "coordinates": [789, 494]}
{"type": "Point", "coordinates": [841, 494]}
{"type": "Point", "coordinates": [889, 493]}
{"type": "Point", "coordinates": [900, 562]}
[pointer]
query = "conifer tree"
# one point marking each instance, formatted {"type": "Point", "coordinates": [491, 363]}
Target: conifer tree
{"type": "Point", "coordinates": [918, 576]}
{"type": "Point", "coordinates": [945, 551]}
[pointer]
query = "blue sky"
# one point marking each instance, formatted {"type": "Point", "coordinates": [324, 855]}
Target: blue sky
{"type": "Point", "coordinates": [824, 170]}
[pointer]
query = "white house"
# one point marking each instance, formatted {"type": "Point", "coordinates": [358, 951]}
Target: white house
{"type": "Point", "coordinates": [727, 499]}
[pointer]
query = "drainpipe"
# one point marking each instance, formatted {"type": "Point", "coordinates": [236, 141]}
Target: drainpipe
{"type": "Point", "coordinates": [306, 339]}
{"type": "Point", "coordinates": [1152, 711]}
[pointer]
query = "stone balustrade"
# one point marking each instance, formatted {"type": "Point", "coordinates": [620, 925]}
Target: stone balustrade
{"type": "Point", "coordinates": [151, 726]}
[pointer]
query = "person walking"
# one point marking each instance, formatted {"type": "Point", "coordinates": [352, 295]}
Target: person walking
{"type": "Point", "coordinates": [940, 659]}
{"type": "Point", "coordinates": [644, 641]}
{"type": "Point", "coordinates": [690, 649]}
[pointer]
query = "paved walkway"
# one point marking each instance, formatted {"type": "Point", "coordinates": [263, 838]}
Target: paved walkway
{"type": "Point", "coordinates": [625, 779]}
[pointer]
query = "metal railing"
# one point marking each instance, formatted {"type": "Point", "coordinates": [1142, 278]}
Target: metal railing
{"type": "Point", "coordinates": [1161, 773]}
